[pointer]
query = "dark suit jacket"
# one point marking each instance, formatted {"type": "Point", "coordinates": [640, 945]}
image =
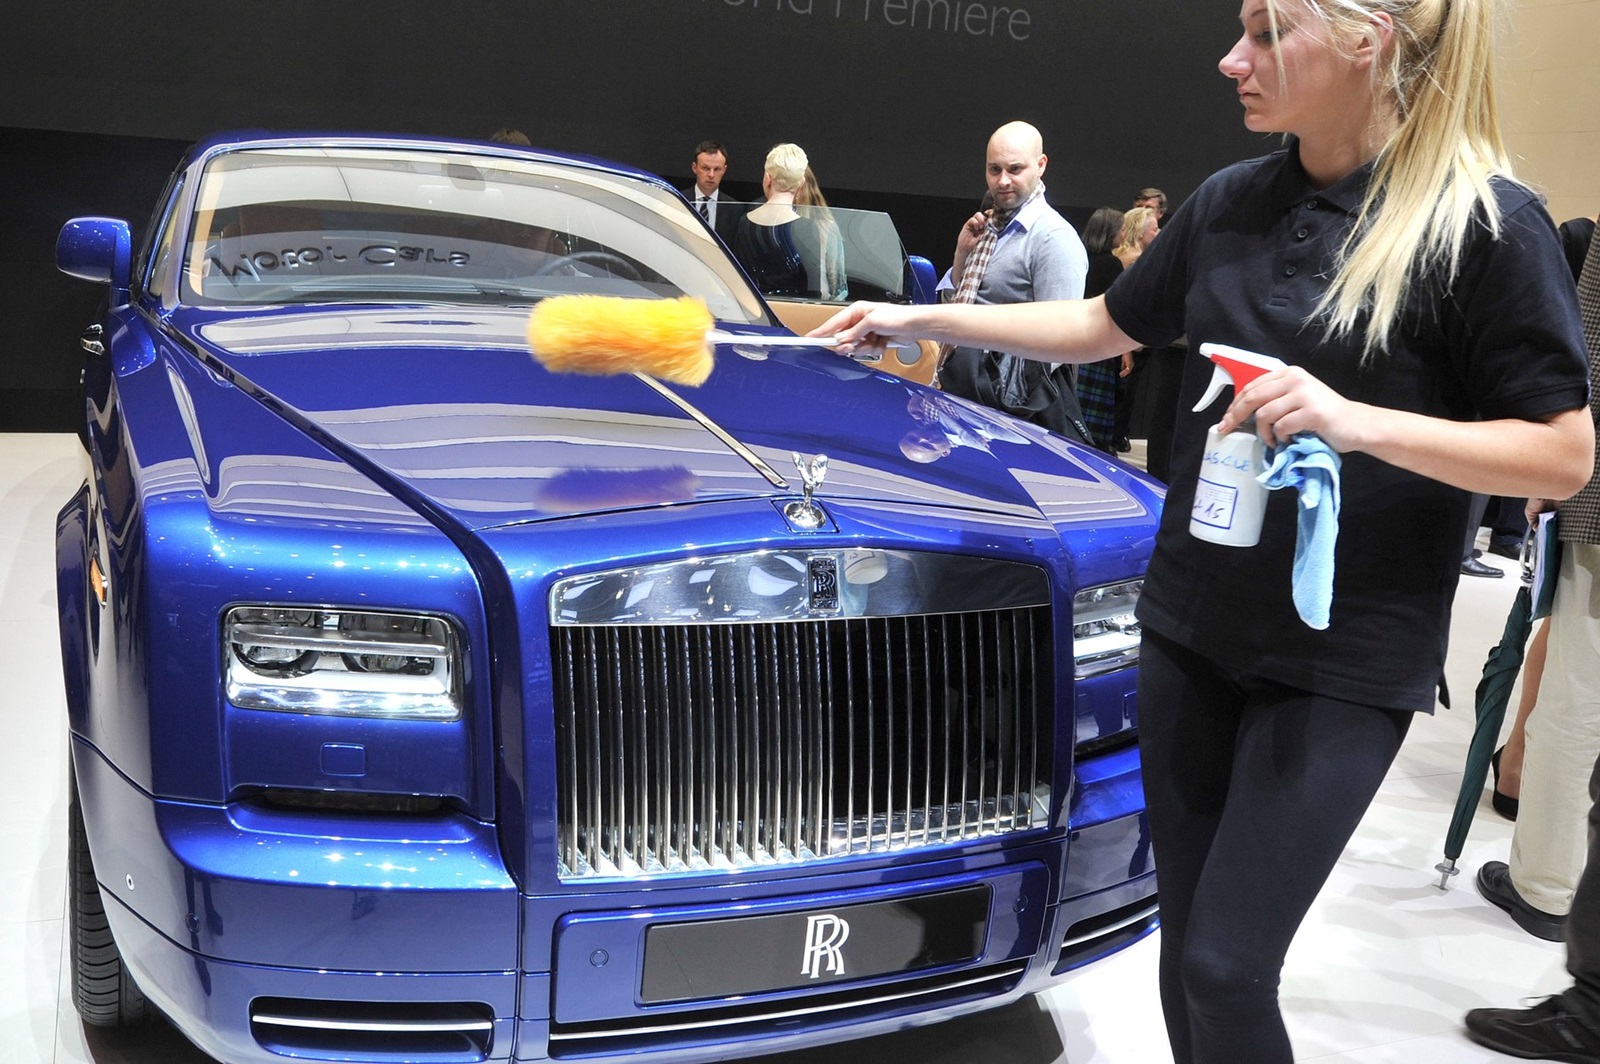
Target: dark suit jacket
{"type": "Point", "coordinates": [1575, 236]}
{"type": "Point", "coordinates": [728, 213]}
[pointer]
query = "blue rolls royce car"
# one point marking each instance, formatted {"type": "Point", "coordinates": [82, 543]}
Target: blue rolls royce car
{"type": "Point", "coordinates": [428, 705]}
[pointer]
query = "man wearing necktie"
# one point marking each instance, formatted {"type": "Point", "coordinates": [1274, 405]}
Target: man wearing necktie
{"type": "Point", "coordinates": [721, 213]}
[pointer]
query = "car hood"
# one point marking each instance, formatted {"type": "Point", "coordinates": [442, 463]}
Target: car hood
{"type": "Point", "coordinates": [448, 406]}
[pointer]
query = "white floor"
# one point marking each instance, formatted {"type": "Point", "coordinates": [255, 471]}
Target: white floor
{"type": "Point", "coordinates": [1381, 972]}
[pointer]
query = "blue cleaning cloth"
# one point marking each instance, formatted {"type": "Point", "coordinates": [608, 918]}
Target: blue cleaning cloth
{"type": "Point", "coordinates": [1311, 467]}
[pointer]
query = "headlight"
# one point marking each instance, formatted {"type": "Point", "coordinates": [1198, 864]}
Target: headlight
{"type": "Point", "coordinates": [403, 666]}
{"type": "Point", "coordinates": [1105, 635]}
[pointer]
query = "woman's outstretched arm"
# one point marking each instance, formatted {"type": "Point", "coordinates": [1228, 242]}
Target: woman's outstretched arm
{"type": "Point", "coordinates": [1075, 330]}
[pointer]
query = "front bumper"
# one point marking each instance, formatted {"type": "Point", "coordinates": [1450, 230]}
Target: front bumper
{"type": "Point", "coordinates": [269, 936]}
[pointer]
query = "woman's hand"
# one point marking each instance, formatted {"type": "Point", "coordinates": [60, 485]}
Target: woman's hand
{"type": "Point", "coordinates": [1503, 456]}
{"type": "Point", "coordinates": [1289, 401]}
{"type": "Point", "coordinates": [868, 328]}
{"type": "Point", "coordinates": [1069, 330]}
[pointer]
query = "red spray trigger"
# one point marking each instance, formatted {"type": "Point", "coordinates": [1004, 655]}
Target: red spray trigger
{"type": "Point", "coordinates": [1234, 366]}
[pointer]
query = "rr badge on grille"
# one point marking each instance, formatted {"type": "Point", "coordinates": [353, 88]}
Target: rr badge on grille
{"type": "Point", "coordinates": [823, 574]}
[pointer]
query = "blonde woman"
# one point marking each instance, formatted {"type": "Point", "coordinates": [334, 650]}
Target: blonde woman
{"type": "Point", "coordinates": [1140, 225]}
{"type": "Point", "coordinates": [1420, 298]}
{"type": "Point", "coordinates": [771, 239]}
{"type": "Point", "coordinates": [811, 203]}
{"type": "Point", "coordinates": [1157, 371]}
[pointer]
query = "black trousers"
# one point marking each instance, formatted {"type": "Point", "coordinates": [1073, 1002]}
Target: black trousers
{"type": "Point", "coordinates": [1476, 508]}
{"type": "Point", "coordinates": [1253, 789]}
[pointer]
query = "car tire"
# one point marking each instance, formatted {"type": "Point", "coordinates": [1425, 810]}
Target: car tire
{"type": "Point", "coordinates": [103, 991]}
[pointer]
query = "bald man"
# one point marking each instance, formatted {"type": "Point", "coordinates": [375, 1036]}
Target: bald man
{"type": "Point", "coordinates": [1036, 255]}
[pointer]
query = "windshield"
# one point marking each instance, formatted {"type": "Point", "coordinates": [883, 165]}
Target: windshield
{"type": "Point", "coordinates": [321, 225]}
{"type": "Point", "coordinates": [832, 254]}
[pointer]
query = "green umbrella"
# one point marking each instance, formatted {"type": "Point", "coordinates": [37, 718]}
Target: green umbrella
{"type": "Point", "coordinates": [1494, 691]}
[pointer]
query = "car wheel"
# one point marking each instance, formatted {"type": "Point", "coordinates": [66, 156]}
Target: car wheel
{"type": "Point", "coordinates": [103, 991]}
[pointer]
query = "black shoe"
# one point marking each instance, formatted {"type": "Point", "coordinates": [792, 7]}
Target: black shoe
{"type": "Point", "coordinates": [1503, 804]}
{"type": "Point", "coordinates": [1494, 883]}
{"type": "Point", "coordinates": [1473, 567]}
{"type": "Point", "coordinates": [1547, 1031]}
{"type": "Point", "coordinates": [1121, 445]}
{"type": "Point", "coordinates": [1507, 548]}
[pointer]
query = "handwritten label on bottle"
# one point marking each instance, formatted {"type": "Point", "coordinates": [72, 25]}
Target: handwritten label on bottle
{"type": "Point", "coordinates": [1226, 459]}
{"type": "Point", "coordinates": [1214, 503]}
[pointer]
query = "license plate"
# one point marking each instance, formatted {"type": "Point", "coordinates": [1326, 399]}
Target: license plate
{"type": "Point", "coordinates": [753, 954]}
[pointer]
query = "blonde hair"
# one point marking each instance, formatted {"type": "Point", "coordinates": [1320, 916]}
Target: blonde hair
{"type": "Point", "coordinates": [1431, 177]}
{"type": "Point", "coordinates": [1134, 220]}
{"type": "Point", "coordinates": [809, 194]}
{"type": "Point", "coordinates": [811, 203]}
{"type": "Point", "coordinates": [786, 165]}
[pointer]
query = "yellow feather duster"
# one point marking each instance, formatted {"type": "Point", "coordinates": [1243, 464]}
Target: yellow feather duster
{"type": "Point", "coordinates": [604, 335]}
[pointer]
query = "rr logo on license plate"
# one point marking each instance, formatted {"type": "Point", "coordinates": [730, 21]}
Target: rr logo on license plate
{"type": "Point", "coordinates": [825, 939]}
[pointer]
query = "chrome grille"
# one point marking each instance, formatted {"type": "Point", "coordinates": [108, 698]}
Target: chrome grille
{"type": "Point", "coordinates": [716, 746]}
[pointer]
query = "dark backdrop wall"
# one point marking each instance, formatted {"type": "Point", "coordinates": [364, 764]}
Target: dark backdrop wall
{"type": "Point", "coordinates": [892, 99]}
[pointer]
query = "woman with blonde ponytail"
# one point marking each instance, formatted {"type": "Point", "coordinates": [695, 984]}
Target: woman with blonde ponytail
{"type": "Point", "coordinates": [1420, 299]}
{"type": "Point", "coordinates": [1431, 182]}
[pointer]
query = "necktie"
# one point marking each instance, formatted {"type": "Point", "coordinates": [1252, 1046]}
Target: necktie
{"type": "Point", "coordinates": [705, 208]}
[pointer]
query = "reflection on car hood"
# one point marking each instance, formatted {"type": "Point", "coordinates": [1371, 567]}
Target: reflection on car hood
{"type": "Point", "coordinates": [450, 404]}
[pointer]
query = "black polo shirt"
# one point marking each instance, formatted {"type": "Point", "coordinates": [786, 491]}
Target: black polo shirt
{"type": "Point", "coordinates": [1243, 263]}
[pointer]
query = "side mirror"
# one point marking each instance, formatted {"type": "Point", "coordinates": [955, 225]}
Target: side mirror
{"type": "Point", "coordinates": [99, 250]}
{"type": "Point", "coordinates": [924, 282]}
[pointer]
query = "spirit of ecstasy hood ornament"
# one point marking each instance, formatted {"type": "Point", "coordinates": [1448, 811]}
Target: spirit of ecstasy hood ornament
{"type": "Point", "coordinates": [806, 514]}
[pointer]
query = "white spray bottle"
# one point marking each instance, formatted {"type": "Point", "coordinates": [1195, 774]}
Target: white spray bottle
{"type": "Point", "coordinates": [1229, 502]}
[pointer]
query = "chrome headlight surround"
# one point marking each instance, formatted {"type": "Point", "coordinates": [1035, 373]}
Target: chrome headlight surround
{"type": "Point", "coordinates": [338, 662]}
{"type": "Point", "coordinates": [1105, 634]}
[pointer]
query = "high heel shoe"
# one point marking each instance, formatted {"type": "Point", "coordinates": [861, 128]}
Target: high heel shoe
{"type": "Point", "coordinates": [1503, 804]}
